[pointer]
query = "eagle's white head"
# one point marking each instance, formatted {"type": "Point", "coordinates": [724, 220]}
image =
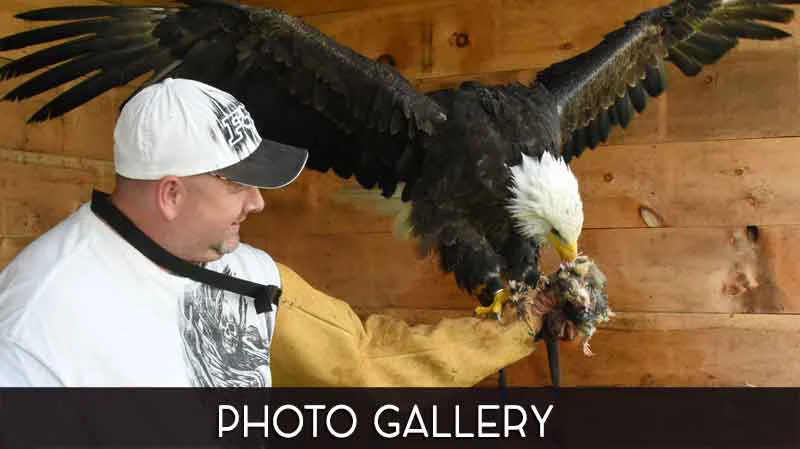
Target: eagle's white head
{"type": "Point", "coordinates": [546, 203]}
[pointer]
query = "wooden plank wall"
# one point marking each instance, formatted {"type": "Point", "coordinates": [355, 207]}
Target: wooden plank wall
{"type": "Point", "coordinates": [706, 296]}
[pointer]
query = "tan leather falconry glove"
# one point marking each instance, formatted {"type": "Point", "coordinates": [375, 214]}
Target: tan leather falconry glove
{"type": "Point", "coordinates": [320, 341]}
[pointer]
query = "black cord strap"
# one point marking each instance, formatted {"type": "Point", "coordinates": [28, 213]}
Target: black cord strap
{"type": "Point", "coordinates": [264, 296]}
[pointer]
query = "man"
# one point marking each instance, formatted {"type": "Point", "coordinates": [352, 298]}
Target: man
{"type": "Point", "coordinates": [105, 298]}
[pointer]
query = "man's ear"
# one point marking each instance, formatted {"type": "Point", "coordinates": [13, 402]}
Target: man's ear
{"type": "Point", "coordinates": [171, 194]}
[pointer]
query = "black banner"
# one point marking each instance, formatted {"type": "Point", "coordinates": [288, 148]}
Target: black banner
{"type": "Point", "coordinates": [369, 418]}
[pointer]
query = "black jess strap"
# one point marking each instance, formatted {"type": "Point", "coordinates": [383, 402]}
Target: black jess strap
{"type": "Point", "coordinates": [264, 296]}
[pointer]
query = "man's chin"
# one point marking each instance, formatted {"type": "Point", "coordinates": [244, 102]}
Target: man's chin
{"type": "Point", "coordinates": [226, 247]}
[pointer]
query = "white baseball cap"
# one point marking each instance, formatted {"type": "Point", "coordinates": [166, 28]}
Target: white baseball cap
{"type": "Point", "coordinates": [182, 127]}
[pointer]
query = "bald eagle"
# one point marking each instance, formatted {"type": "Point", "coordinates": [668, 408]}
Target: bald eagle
{"type": "Point", "coordinates": [484, 168]}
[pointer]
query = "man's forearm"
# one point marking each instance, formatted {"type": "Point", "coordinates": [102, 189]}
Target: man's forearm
{"type": "Point", "coordinates": [320, 341]}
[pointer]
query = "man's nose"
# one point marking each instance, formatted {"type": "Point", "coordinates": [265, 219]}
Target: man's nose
{"type": "Point", "coordinates": [255, 202]}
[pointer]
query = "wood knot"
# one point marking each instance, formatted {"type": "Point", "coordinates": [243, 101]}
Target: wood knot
{"type": "Point", "coordinates": [752, 200]}
{"type": "Point", "coordinates": [742, 276]}
{"type": "Point", "coordinates": [461, 39]}
{"type": "Point", "coordinates": [752, 233]}
{"type": "Point", "coordinates": [387, 59]}
{"type": "Point", "coordinates": [650, 217]}
{"type": "Point", "coordinates": [566, 46]}
{"type": "Point", "coordinates": [708, 79]}
{"type": "Point", "coordinates": [608, 177]}
{"type": "Point", "coordinates": [739, 172]}
{"type": "Point", "coordinates": [738, 283]}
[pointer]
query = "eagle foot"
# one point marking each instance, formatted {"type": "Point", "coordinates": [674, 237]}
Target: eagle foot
{"type": "Point", "coordinates": [496, 307]}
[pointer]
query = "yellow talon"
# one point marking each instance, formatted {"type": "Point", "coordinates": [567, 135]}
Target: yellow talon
{"type": "Point", "coordinates": [496, 307]}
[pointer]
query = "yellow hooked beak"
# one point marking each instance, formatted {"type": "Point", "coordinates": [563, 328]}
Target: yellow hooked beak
{"type": "Point", "coordinates": [567, 250]}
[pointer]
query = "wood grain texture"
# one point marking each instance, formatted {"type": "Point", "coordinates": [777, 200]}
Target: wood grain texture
{"type": "Point", "coordinates": [699, 269]}
{"type": "Point", "coordinates": [662, 349]}
{"type": "Point", "coordinates": [678, 350]}
{"type": "Point", "coordinates": [38, 191]}
{"type": "Point", "coordinates": [716, 183]}
{"type": "Point", "coordinates": [688, 184]}
{"type": "Point", "coordinates": [86, 132]}
{"type": "Point", "coordinates": [691, 270]}
{"type": "Point", "coordinates": [10, 247]}
{"type": "Point", "coordinates": [750, 93]}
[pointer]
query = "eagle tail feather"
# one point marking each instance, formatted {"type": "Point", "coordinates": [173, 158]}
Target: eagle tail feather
{"type": "Point", "coordinates": [373, 201]}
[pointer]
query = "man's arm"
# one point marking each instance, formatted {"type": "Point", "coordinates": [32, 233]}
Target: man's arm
{"type": "Point", "coordinates": [320, 341]}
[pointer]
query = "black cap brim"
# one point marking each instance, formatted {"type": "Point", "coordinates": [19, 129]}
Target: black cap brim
{"type": "Point", "coordinates": [271, 166]}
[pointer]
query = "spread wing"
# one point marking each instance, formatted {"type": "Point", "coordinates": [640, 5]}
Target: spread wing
{"type": "Point", "coordinates": [367, 120]}
{"type": "Point", "coordinates": [608, 84]}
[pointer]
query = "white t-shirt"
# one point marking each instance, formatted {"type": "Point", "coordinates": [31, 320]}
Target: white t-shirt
{"type": "Point", "coordinates": [80, 306]}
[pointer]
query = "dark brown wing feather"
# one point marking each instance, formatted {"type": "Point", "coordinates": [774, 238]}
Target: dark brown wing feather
{"type": "Point", "coordinates": [608, 84]}
{"type": "Point", "coordinates": [367, 119]}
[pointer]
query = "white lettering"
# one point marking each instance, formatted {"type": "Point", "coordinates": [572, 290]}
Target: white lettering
{"type": "Point", "coordinates": [222, 429]}
{"type": "Point", "coordinates": [483, 424]}
{"type": "Point", "coordinates": [314, 408]}
{"type": "Point", "coordinates": [421, 429]}
{"type": "Point", "coordinates": [507, 419]}
{"type": "Point", "coordinates": [278, 429]}
{"type": "Point", "coordinates": [353, 420]}
{"type": "Point", "coordinates": [248, 424]}
{"type": "Point", "coordinates": [394, 426]}
{"type": "Point", "coordinates": [459, 434]}
{"type": "Point", "coordinates": [542, 419]}
{"type": "Point", "coordinates": [436, 433]}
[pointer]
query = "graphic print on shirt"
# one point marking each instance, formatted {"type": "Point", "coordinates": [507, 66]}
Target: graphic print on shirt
{"type": "Point", "coordinates": [225, 341]}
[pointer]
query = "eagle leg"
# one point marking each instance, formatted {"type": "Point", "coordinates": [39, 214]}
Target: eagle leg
{"type": "Point", "coordinates": [522, 260]}
{"type": "Point", "coordinates": [522, 267]}
{"type": "Point", "coordinates": [476, 265]}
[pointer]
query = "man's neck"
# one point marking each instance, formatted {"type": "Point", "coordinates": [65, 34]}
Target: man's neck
{"type": "Point", "coordinates": [147, 221]}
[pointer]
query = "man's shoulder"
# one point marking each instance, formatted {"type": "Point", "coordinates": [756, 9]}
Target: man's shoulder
{"type": "Point", "coordinates": [252, 251]}
{"type": "Point", "coordinates": [38, 269]}
{"type": "Point", "coordinates": [62, 240]}
{"type": "Point", "coordinates": [256, 264]}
